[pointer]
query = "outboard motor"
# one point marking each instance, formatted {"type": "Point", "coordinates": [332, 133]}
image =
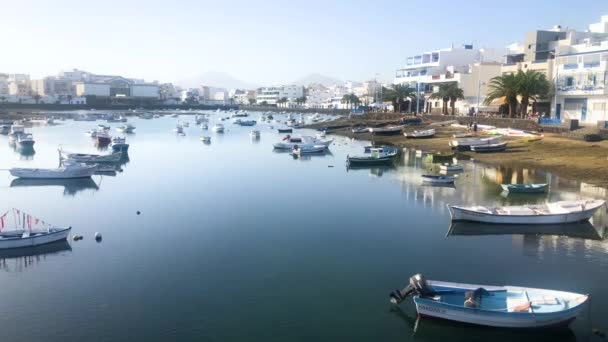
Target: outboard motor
{"type": "Point", "coordinates": [417, 285]}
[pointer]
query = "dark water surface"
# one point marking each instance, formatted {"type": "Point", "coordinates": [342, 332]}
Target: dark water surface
{"type": "Point", "coordinates": [236, 242]}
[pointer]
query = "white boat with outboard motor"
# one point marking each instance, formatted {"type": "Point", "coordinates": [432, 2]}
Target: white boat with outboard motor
{"type": "Point", "coordinates": [492, 306]}
{"type": "Point", "coordinates": [548, 213]}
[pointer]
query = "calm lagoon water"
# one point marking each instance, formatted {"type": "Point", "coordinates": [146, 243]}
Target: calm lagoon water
{"type": "Point", "coordinates": [236, 242]}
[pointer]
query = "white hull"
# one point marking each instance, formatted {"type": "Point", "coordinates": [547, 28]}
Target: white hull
{"type": "Point", "coordinates": [438, 180]}
{"type": "Point", "coordinates": [537, 216]}
{"type": "Point", "coordinates": [474, 142]}
{"type": "Point", "coordinates": [59, 173]}
{"type": "Point", "coordinates": [56, 234]}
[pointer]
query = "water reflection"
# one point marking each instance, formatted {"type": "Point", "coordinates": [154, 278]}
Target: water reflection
{"type": "Point", "coordinates": [21, 259]}
{"type": "Point", "coordinates": [426, 329]}
{"type": "Point", "coordinates": [25, 153]}
{"type": "Point", "coordinates": [582, 230]}
{"type": "Point", "coordinates": [70, 186]}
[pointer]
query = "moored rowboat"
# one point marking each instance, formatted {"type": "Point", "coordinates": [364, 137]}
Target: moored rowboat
{"type": "Point", "coordinates": [549, 213]}
{"type": "Point", "coordinates": [494, 306]}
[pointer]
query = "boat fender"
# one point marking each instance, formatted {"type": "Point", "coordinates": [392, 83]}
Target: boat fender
{"type": "Point", "coordinates": [98, 236]}
{"type": "Point", "coordinates": [138, 212]}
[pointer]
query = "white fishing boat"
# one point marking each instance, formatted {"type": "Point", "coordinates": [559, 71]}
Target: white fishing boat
{"type": "Point", "coordinates": [493, 306]}
{"type": "Point", "coordinates": [308, 149]}
{"type": "Point", "coordinates": [90, 158]}
{"type": "Point", "coordinates": [548, 213]}
{"type": "Point", "coordinates": [254, 133]}
{"type": "Point", "coordinates": [218, 128]}
{"type": "Point", "coordinates": [25, 140]}
{"type": "Point", "coordinates": [186, 124]}
{"type": "Point", "coordinates": [128, 128]}
{"type": "Point", "coordinates": [204, 126]}
{"type": "Point", "coordinates": [206, 139]}
{"type": "Point", "coordinates": [437, 179]}
{"type": "Point", "coordinates": [179, 129]}
{"type": "Point", "coordinates": [451, 167]}
{"type": "Point", "coordinates": [120, 144]}
{"type": "Point", "coordinates": [429, 133]}
{"type": "Point", "coordinates": [174, 115]}
{"type": "Point", "coordinates": [28, 231]}
{"type": "Point", "coordinates": [69, 170]}
{"type": "Point", "coordinates": [377, 156]}
{"type": "Point", "coordinates": [289, 142]}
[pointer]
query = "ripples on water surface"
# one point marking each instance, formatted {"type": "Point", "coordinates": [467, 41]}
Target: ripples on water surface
{"type": "Point", "coordinates": [237, 242]}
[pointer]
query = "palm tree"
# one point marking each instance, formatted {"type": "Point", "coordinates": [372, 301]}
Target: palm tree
{"type": "Point", "coordinates": [398, 94]}
{"type": "Point", "coordinates": [284, 101]}
{"type": "Point", "coordinates": [251, 101]}
{"type": "Point", "coordinates": [443, 94]}
{"type": "Point", "coordinates": [303, 100]}
{"type": "Point", "coordinates": [531, 86]}
{"type": "Point", "coordinates": [354, 100]}
{"type": "Point", "coordinates": [454, 93]}
{"type": "Point", "coordinates": [346, 100]}
{"type": "Point", "coordinates": [504, 86]}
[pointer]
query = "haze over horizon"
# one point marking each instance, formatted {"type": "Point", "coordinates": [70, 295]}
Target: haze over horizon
{"type": "Point", "coordinates": [259, 43]}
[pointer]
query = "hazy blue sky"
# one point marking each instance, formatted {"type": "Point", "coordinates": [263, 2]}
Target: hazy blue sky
{"type": "Point", "coordinates": [261, 41]}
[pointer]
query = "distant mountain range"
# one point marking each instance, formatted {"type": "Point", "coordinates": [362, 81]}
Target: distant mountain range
{"type": "Point", "coordinates": [317, 79]}
{"type": "Point", "coordinates": [216, 79]}
{"type": "Point", "coordinates": [225, 80]}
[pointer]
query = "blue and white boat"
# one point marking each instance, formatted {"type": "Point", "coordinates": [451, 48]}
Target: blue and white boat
{"type": "Point", "coordinates": [493, 306]}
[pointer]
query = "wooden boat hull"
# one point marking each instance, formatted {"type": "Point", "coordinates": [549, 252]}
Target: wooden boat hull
{"type": "Point", "coordinates": [56, 234]}
{"type": "Point", "coordinates": [466, 214]}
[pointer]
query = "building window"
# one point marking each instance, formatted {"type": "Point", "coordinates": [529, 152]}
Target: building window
{"type": "Point", "coordinates": [599, 106]}
{"type": "Point", "coordinates": [573, 106]}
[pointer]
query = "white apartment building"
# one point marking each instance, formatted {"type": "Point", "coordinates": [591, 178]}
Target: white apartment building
{"type": "Point", "coordinates": [270, 95]}
{"type": "Point", "coordinates": [469, 67]}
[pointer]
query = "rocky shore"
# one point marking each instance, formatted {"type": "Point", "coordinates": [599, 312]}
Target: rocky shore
{"type": "Point", "coordinates": [569, 158]}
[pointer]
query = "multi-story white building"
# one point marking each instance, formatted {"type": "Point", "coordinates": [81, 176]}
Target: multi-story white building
{"type": "Point", "coordinates": [469, 67]}
{"type": "Point", "coordinates": [270, 95]}
{"type": "Point", "coordinates": [53, 86]}
{"type": "Point", "coordinates": [581, 75]}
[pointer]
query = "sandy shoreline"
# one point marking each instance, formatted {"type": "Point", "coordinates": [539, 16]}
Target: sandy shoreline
{"type": "Point", "coordinates": [572, 159]}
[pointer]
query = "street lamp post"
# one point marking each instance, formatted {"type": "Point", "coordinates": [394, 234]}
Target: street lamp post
{"type": "Point", "coordinates": [481, 51]}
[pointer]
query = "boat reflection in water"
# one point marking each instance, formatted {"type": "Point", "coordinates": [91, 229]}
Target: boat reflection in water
{"type": "Point", "coordinates": [70, 186]}
{"type": "Point", "coordinates": [581, 230]}
{"type": "Point", "coordinates": [428, 329]}
{"type": "Point", "coordinates": [25, 153]}
{"type": "Point", "coordinates": [20, 259]}
{"type": "Point", "coordinates": [374, 171]}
